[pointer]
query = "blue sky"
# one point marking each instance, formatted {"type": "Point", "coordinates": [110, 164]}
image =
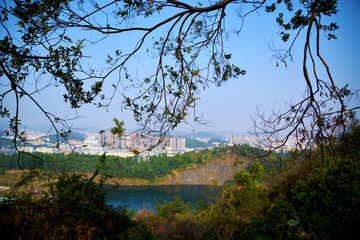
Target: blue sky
{"type": "Point", "coordinates": [229, 107]}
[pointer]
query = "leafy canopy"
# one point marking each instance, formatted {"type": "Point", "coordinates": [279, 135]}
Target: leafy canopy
{"type": "Point", "coordinates": [44, 43]}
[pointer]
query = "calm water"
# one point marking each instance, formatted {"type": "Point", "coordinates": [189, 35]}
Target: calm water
{"type": "Point", "coordinates": [140, 197]}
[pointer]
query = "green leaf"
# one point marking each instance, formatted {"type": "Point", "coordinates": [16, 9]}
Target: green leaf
{"type": "Point", "coordinates": [293, 222]}
{"type": "Point", "coordinates": [119, 127]}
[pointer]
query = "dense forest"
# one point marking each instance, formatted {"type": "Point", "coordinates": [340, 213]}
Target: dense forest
{"type": "Point", "coordinates": [148, 168]}
{"type": "Point", "coordinates": [193, 143]}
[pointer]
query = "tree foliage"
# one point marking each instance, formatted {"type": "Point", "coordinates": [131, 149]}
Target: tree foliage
{"type": "Point", "coordinates": [149, 168]}
{"type": "Point", "coordinates": [310, 208]}
{"type": "Point", "coordinates": [42, 44]}
{"type": "Point", "coordinates": [74, 207]}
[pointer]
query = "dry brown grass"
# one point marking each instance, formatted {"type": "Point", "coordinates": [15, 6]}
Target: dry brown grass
{"type": "Point", "coordinates": [10, 178]}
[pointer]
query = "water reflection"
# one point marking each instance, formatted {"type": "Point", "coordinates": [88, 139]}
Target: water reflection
{"type": "Point", "coordinates": [140, 197]}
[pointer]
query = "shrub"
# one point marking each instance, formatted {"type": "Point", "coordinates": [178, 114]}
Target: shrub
{"type": "Point", "coordinates": [73, 209]}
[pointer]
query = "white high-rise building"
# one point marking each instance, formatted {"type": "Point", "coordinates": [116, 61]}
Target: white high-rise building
{"type": "Point", "coordinates": [177, 144]}
{"type": "Point", "coordinates": [173, 144]}
{"type": "Point", "coordinates": [140, 142]}
{"type": "Point", "coordinates": [101, 139]}
{"type": "Point", "coordinates": [181, 144]}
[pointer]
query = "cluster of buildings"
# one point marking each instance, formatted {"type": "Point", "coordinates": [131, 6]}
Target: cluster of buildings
{"type": "Point", "coordinates": [259, 142]}
{"type": "Point", "coordinates": [98, 143]}
{"type": "Point", "coordinates": [124, 146]}
{"type": "Point", "coordinates": [140, 142]}
{"type": "Point", "coordinates": [242, 140]}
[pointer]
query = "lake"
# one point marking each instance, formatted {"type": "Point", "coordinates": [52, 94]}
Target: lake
{"type": "Point", "coordinates": [140, 197]}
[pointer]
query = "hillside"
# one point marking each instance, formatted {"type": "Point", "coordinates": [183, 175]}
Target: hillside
{"type": "Point", "coordinates": [216, 171]}
{"type": "Point", "coordinates": [192, 143]}
{"type": "Point", "coordinates": [200, 167]}
{"type": "Point", "coordinates": [53, 138]}
{"type": "Point", "coordinates": [194, 135]}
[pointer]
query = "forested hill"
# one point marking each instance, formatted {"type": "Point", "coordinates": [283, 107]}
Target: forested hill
{"type": "Point", "coordinates": [154, 169]}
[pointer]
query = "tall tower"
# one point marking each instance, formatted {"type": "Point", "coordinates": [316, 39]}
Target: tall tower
{"type": "Point", "coordinates": [101, 139]}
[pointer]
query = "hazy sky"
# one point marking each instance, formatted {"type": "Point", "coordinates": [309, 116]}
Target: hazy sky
{"type": "Point", "coordinates": [229, 107]}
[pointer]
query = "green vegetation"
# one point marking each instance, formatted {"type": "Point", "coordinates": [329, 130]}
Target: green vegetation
{"type": "Point", "coordinates": [314, 199]}
{"type": "Point", "coordinates": [218, 140]}
{"type": "Point", "coordinates": [148, 168]}
{"type": "Point", "coordinates": [6, 143]}
{"type": "Point", "coordinates": [192, 143]}
{"type": "Point", "coordinates": [10, 179]}
{"type": "Point", "coordinates": [73, 208]}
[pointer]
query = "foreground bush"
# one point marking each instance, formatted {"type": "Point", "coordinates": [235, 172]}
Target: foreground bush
{"type": "Point", "coordinates": [45, 220]}
{"type": "Point", "coordinates": [318, 198]}
{"type": "Point", "coordinates": [73, 208]}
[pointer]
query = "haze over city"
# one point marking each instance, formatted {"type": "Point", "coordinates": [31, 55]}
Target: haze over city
{"type": "Point", "coordinates": [229, 107]}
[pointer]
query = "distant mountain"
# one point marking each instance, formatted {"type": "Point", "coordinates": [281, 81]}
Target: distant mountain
{"type": "Point", "coordinates": [184, 134]}
{"type": "Point", "coordinates": [218, 140]}
{"type": "Point", "coordinates": [179, 133]}
{"type": "Point", "coordinates": [88, 129]}
{"type": "Point", "coordinates": [232, 133]}
{"type": "Point", "coordinates": [192, 143]}
{"type": "Point", "coordinates": [6, 143]}
{"type": "Point", "coordinates": [202, 135]}
{"type": "Point", "coordinates": [73, 136]}
{"type": "Point", "coordinates": [43, 128]}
